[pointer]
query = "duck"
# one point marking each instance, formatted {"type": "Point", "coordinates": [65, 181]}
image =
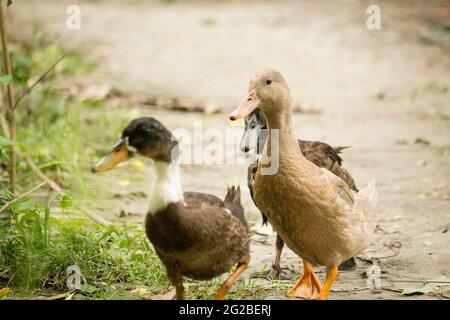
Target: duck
{"type": "Point", "coordinates": [320, 153]}
{"type": "Point", "coordinates": [319, 217]}
{"type": "Point", "coordinates": [195, 235]}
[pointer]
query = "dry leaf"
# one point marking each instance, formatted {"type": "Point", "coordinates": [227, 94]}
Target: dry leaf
{"type": "Point", "coordinates": [138, 164]}
{"type": "Point", "coordinates": [166, 296]}
{"type": "Point", "coordinates": [399, 217]}
{"type": "Point", "coordinates": [4, 292]}
{"type": "Point", "coordinates": [142, 292]}
{"type": "Point", "coordinates": [70, 296]}
{"type": "Point", "coordinates": [446, 294]}
{"type": "Point", "coordinates": [427, 288]}
{"type": "Point", "coordinates": [124, 183]}
{"type": "Point", "coordinates": [421, 163]}
{"type": "Point", "coordinates": [61, 296]}
{"type": "Point", "coordinates": [441, 280]}
{"type": "Point", "coordinates": [428, 243]}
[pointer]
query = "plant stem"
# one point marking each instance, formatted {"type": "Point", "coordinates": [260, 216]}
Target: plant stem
{"type": "Point", "coordinates": [42, 77]}
{"type": "Point", "coordinates": [22, 196]}
{"type": "Point", "coordinates": [10, 115]}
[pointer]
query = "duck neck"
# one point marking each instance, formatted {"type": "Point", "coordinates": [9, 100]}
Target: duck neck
{"type": "Point", "coordinates": [167, 188]}
{"type": "Point", "coordinates": [282, 120]}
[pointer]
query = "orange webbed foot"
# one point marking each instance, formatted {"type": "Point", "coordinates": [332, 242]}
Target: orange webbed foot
{"type": "Point", "coordinates": [225, 287]}
{"type": "Point", "coordinates": [308, 287]}
{"type": "Point", "coordinates": [331, 276]}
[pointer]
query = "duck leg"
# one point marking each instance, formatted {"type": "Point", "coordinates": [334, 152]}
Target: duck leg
{"type": "Point", "coordinates": [179, 291]}
{"type": "Point", "coordinates": [308, 287]}
{"type": "Point", "coordinates": [349, 264]}
{"type": "Point", "coordinates": [331, 276]}
{"type": "Point", "coordinates": [275, 272]}
{"type": "Point", "coordinates": [225, 287]}
{"type": "Point", "coordinates": [177, 281]}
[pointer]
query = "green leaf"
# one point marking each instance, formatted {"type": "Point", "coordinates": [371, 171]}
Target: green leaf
{"type": "Point", "coordinates": [9, 3]}
{"type": "Point", "coordinates": [87, 289]}
{"type": "Point", "coordinates": [6, 142]}
{"type": "Point", "coordinates": [5, 79]}
{"type": "Point", "coordinates": [65, 201]}
{"type": "Point", "coordinates": [138, 256]}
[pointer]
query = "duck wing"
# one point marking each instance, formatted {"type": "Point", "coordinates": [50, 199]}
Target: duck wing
{"type": "Point", "coordinates": [251, 173]}
{"type": "Point", "coordinates": [232, 202]}
{"type": "Point", "coordinates": [325, 156]}
{"type": "Point", "coordinates": [322, 155]}
{"type": "Point", "coordinates": [202, 199]}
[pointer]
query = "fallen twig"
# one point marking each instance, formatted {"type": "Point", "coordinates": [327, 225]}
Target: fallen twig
{"type": "Point", "coordinates": [22, 196]}
{"type": "Point", "coordinates": [95, 217]}
{"type": "Point", "coordinates": [4, 272]}
{"type": "Point", "coordinates": [42, 77]}
{"type": "Point", "coordinates": [61, 296]}
{"type": "Point", "coordinates": [52, 184]}
{"type": "Point", "coordinates": [420, 281]}
{"type": "Point", "coordinates": [393, 290]}
{"type": "Point", "coordinates": [350, 290]}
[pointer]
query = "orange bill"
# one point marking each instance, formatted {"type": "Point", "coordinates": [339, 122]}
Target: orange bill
{"type": "Point", "coordinates": [118, 154]}
{"type": "Point", "coordinates": [250, 103]}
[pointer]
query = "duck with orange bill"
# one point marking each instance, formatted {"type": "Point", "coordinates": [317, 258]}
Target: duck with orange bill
{"type": "Point", "coordinates": [195, 235]}
{"type": "Point", "coordinates": [320, 153]}
{"type": "Point", "coordinates": [317, 214]}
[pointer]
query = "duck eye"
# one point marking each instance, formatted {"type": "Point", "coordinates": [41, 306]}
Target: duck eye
{"type": "Point", "coordinates": [268, 81]}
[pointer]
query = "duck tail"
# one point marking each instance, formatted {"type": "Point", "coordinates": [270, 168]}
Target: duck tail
{"type": "Point", "coordinates": [369, 201]}
{"type": "Point", "coordinates": [233, 203]}
{"type": "Point", "coordinates": [339, 149]}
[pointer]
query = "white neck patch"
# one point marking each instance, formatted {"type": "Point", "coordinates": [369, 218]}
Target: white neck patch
{"type": "Point", "coordinates": [167, 187]}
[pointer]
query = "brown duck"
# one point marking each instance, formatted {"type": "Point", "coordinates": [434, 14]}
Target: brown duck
{"type": "Point", "coordinates": [195, 235]}
{"type": "Point", "coordinates": [314, 211]}
{"type": "Point", "coordinates": [319, 153]}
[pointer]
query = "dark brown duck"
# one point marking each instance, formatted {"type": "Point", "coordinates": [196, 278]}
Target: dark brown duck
{"type": "Point", "coordinates": [195, 235]}
{"type": "Point", "coordinates": [319, 153]}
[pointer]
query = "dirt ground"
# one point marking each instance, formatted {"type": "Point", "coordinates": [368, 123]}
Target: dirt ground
{"type": "Point", "coordinates": [385, 93]}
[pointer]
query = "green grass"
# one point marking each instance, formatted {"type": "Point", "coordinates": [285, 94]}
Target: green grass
{"type": "Point", "coordinates": [38, 248]}
{"type": "Point", "coordinates": [39, 238]}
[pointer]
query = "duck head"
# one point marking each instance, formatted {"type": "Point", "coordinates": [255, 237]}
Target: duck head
{"type": "Point", "coordinates": [254, 134]}
{"type": "Point", "coordinates": [267, 91]}
{"type": "Point", "coordinates": [145, 136]}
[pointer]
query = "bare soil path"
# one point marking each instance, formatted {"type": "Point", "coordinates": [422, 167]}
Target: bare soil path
{"type": "Point", "coordinates": [385, 93]}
